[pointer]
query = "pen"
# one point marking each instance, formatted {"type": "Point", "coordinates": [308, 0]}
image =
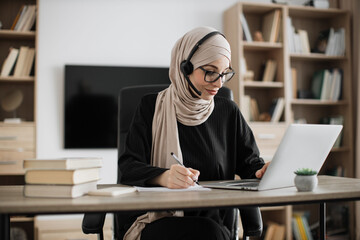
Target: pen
{"type": "Point", "coordinates": [178, 161]}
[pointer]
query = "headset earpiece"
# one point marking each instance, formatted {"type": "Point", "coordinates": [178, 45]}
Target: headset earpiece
{"type": "Point", "coordinates": [186, 67]}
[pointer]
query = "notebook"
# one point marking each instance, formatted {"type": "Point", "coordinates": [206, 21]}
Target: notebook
{"type": "Point", "coordinates": [303, 146]}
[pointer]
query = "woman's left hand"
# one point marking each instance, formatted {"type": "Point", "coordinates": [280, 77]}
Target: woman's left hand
{"type": "Point", "coordinates": [259, 173]}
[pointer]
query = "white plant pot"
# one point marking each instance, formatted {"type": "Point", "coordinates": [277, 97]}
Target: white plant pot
{"type": "Point", "coordinates": [306, 183]}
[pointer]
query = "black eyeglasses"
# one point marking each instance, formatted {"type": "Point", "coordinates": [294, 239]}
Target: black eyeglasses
{"type": "Point", "coordinates": [211, 76]}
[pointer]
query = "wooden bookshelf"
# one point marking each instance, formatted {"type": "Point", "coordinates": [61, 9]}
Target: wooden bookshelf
{"type": "Point", "coordinates": [267, 134]}
{"type": "Point", "coordinates": [17, 140]}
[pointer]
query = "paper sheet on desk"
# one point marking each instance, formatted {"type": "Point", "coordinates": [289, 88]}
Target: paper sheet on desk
{"type": "Point", "coordinates": [164, 189]}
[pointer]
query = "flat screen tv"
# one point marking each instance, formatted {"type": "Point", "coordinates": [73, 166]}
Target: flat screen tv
{"type": "Point", "coordinates": [91, 99]}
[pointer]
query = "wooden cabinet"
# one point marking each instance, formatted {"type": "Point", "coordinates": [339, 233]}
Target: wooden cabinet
{"type": "Point", "coordinates": [16, 143]}
{"type": "Point", "coordinates": [17, 140]}
{"type": "Point", "coordinates": [293, 81]}
{"type": "Point", "coordinates": [67, 227]}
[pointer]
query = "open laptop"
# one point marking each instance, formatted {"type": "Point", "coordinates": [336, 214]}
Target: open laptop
{"type": "Point", "coordinates": [303, 146]}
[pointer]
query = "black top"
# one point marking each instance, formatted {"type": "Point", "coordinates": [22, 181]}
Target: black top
{"type": "Point", "coordinates": [219, 148]}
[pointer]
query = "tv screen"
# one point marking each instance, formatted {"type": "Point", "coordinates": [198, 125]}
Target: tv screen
{"type": "Point", "coordinates": [91, 101]}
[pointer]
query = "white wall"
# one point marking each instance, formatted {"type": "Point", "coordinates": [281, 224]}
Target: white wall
{"type": "Point", "coordinates": [105, 32]}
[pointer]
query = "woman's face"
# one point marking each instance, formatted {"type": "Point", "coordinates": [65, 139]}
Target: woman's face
{"type": "Point", "coordinates": [209, 90]}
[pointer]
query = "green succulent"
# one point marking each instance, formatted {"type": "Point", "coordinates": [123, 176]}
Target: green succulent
{"type": "Point", "coordinates": [305, 171]}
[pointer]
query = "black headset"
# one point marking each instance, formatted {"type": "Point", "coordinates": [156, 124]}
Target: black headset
{"type": "Point", "coordinates": [187, 67]}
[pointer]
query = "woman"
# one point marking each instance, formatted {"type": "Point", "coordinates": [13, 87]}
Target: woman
{"type": "Point", "coordinates": [208, 135]}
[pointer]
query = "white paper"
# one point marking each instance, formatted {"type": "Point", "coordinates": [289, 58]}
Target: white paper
{"type": "Point", "coordinates": [164, 189]}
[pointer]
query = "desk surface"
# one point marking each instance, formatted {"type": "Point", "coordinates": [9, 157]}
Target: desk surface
{"type": "Point", "coordinates": [330, 188]}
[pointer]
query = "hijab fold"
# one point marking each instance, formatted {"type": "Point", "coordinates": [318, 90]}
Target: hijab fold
{"type": "Point", "coordinates": [176, 103]}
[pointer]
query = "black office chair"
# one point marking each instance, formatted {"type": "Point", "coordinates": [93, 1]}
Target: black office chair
{"type": "Point", "coordinates": [129, 98]}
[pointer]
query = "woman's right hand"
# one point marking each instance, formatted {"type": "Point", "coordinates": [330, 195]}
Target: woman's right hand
{"type": "Point", "coordinates": [177, 177]}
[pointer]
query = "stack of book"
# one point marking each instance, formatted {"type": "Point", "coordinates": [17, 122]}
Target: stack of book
{"type": "Point", "coordinates": [25, 19]}
{"type": "Point", "coordinates": [61, 178]}
{"type": "Point", "coordinates": [327, 84]}
{"type": "Point", "coordinates": [301, 228]}
{"type": "Point", "coordinates": [19, 62]}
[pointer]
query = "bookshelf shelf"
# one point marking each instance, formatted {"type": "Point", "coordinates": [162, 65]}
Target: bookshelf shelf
{"type": "Point", "coordinates": [340, 149]}
{"type": "Point", "coordinates": [316, 57]}
{"type": "Point", "coordinates": [299, 11]}
{"type": "Point", "coordinates": [261, 46]}
{"type": "Point", "coordinates": [296, 67]}
{"type": "Point", "coordinates": [17, 79]}
{"type": "Point", "coordinates": [11, 34]}
{"type": "Point", "coordinates": [314, 102]}
{"type": "Point", "coordinates": [261, 84]}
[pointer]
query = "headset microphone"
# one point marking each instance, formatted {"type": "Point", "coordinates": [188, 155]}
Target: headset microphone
{"type": "Point", "coordinates": [187, 67]}
{"type": "Point", "coordinates": [187, 79]}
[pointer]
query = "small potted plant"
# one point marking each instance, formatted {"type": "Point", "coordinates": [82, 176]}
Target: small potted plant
{"type": "Point", "coordinates": [305, 179]}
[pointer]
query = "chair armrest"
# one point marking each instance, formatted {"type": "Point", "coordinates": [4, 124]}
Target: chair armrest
{"type": "Point", "coordinates": [93, 223]}
{"type": "Point", "coordinates": [251, 221]}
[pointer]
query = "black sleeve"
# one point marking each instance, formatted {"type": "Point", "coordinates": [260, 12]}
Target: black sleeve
{"type": "Point", "coordinates": [248, 152]}
{"type": "Point", "coordinates": [134, 164]}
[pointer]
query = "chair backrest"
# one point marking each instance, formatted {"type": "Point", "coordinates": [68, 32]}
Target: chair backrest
{"type": "Point", "coordinates": [129, 99]}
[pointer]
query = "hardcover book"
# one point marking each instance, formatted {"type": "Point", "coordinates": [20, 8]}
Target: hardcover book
{"type": "Point", "coordinates": [63, 163]}
{"type": "Point", "coordinates": [59, 191]}
{"type": "Point", "coordinates": [48, 176]}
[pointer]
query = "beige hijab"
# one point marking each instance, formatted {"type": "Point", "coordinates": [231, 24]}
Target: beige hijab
{"type": "Point", "coordinates": [177, 104]}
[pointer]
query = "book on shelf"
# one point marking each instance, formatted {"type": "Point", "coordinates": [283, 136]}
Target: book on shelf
{"type": "Point", "coordinates": [112, 191]}
{"type": "Point", "coordinates": [59, 191]}
{"type": "Point", "coordinates": [269, 71]}
{"type": "Point", "coordinates": [254, 110]}
{"type": "Point", "coordinates": [70, 163]}
{"type": "Point", "coordinates": [20, 63]}
{"type": "Point", "coordinates": [251, 109]}
{"type": "Point", "coordinates": [336, 120]}
{"type": "Point", "coordinates": [277, 109]}
{"type": "Point", "coordinates": [271, 26]}
{"type": "Point", "coordinates": [25, 19]}
{"type": "Point", "coordinates": [293, 83]}
{"type": "Point", "coordinates": [327, 84]}
{"type": "Point", "coordinates": [29, 62]}
{"type": "Point", "coordinates": [300, 226]}
{"type": "Point", "coordinates": [338, 171]}
{"type": "Point", "coordinates": [245, 27]}
{"type": "Point", "coordinates": [290, 35]}
{"type": "Point", "coordinates": [22, 8]}
{"type": "Point", "coordinates": [304, 41]}
{"type": "Point", "coordinates": [9, 62]}
{"type": "Point", "coordinates": [270, 230]}
{"type": "Point", "coordinates": [56, 176]}
{"type": "Point", "coordinates": [331, 42]}
{"type": "Point", "coordinates": [274, 231]}
{"type": "Point", "coordinates": [336, 42]}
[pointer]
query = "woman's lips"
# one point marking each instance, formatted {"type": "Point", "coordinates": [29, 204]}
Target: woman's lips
{"type": "Point", "coordinates": [212, 92]}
